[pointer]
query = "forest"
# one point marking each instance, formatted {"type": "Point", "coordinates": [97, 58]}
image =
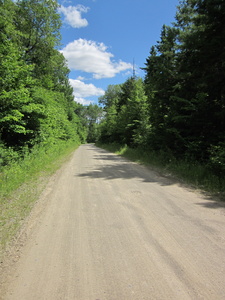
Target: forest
{"type": "Point", "coordinates": [173, 118]}
{"type": "Point", "coordinates": [178, 109]}
{"type": "Point", "coordinates": [38, 114]}
{"type": "Point", "coordinates": [36, 99]}
{"type": "Point", "coordinates": [40, 123]}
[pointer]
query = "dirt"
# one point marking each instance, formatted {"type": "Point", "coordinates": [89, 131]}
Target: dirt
{"type": "Point", "coordinates": [106, 228]}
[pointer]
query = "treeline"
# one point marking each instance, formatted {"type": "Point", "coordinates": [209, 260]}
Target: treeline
{"type": "Point", "coordinates": [179, 107]}
{"type": "Point", "coordinates": [36, 100]}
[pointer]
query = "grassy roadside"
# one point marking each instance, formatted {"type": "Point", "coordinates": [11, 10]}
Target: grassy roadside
{"type": "Point", "coordinates": [192, 173]}
{"type": "Point", "coordinates": [22, 182]}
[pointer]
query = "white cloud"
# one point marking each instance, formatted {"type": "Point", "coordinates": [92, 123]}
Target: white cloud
{"type": "Point", "coordinates": [83, 101]}
{"type": "Point", "coordinates": [73, 15]}
{"type": "Point", "coordinates": [80, 78]}
{"type": "Point", "coordinates": [83, 90]}
{"type": "Point", "coordinates": [92, 57]}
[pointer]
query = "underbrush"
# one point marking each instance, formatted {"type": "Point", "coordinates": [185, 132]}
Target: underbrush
{"type": "Point", "coordinates": [22, 181]}
{"type": "Point", "coordinates": [192, 172]}
{"type": "Point", "coordinates": [42, 159]}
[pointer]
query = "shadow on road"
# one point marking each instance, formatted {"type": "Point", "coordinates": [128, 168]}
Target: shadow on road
{"type": "Point", "coordinates": [109, 166]}
{"type": "Point", "coordinates": [210, 203]}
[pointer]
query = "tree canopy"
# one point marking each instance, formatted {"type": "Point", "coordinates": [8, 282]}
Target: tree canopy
{"type": "Point", "coordinates": [180, 105]}
{"type": "Point", "coordinates": [36, 99]}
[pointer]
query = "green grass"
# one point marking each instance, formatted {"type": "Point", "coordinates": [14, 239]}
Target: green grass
{"type": "Point", "coordinates": [191, 172]}
{"type": "Point", "coordinates": [22, 182]}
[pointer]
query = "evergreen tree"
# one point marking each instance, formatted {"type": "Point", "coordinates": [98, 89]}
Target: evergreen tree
{"type": "Point", "coordinates": [202, 72]}
{"type": "Point", "coordinates": [160, 84]}
{"type": "Point", "coordinates": [184, 75]}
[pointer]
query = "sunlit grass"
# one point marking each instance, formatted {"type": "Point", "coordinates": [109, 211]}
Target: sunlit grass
{"type": "Point", "coordinates": [22, 182]}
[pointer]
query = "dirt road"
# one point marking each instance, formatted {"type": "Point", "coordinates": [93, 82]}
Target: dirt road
{"type": "Point", "coordinates": [109, 229]}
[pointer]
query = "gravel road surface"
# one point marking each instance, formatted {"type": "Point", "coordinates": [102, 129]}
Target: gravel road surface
{"type": "Point", "coordinates": [109, 229]}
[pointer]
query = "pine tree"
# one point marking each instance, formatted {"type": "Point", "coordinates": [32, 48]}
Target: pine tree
{"type": "Point", "coordinates": [202, 72]}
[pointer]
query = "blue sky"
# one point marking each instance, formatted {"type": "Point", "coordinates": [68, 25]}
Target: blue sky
{"type": "Point", "coordinates": [102, 38]}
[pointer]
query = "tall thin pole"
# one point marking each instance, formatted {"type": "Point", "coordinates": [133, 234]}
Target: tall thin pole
{"type": "Point", "coordinates": [134, 75]}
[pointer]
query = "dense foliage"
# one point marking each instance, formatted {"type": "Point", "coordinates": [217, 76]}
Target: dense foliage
{"type": "Point", "coordinates": [179, 108]}
{"type": "Point", "coordinates": [36, 100]}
